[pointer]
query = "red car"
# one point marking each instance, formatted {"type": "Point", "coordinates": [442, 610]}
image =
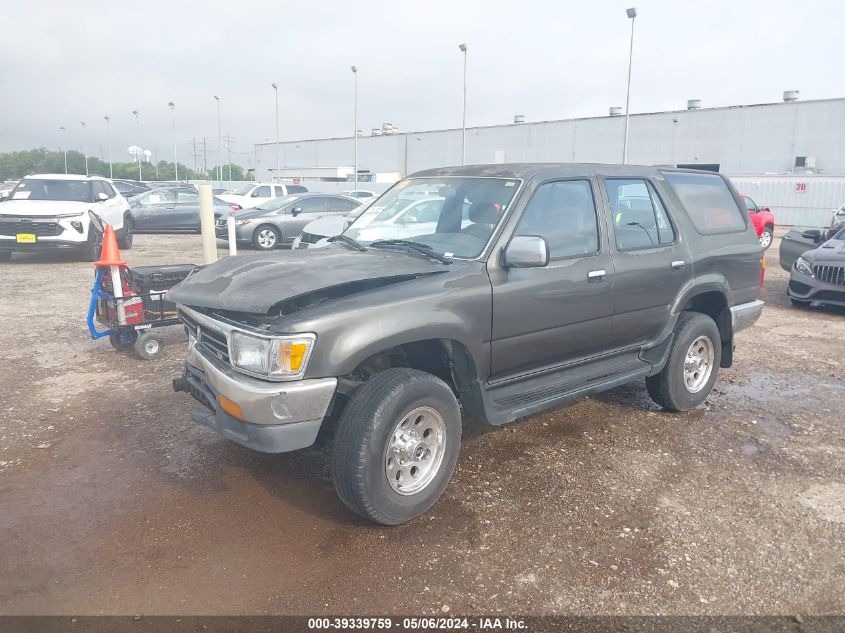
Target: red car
{"type": "Point", "coordinates": [763, 221]}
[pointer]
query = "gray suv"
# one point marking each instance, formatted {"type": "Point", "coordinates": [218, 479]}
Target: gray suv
{"type": "Point", "coordinates": [280, 220]}
{"type": "Point", "coordinates": [534, 285]}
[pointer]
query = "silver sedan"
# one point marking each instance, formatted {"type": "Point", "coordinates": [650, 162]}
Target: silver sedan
{"type": "Point", "coordinates": [281, 220]}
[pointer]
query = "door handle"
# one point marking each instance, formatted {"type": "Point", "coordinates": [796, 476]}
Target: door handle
{"type": "Point", "coordinates": [596, 275]}
{"type": "Point", "coordinates": [678, 264]}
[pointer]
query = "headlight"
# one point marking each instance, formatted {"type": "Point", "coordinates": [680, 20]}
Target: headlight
{"type": "Point", "coordinates": [803, 266]}
{"type": "Point", "coordinates": [277, 357]}
{"type": "Point", "coordinates": [244, 221]}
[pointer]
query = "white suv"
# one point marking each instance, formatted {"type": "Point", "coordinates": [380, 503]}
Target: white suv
{"type": "Point", "coordinates": [52, 211]}
{"type": "Point", "coordinates": [254, 193]}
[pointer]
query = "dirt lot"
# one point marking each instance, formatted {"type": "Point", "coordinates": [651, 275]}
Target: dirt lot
{"type": "Point", "coordinates": [113, 501]}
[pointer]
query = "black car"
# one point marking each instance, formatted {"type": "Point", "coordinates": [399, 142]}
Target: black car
{"type": "Point", "coordinates": [815, 259]}
{"type": "Point", "coordinates": [172, 209]}
{"type": "Point", "coordinates": [533, 286]}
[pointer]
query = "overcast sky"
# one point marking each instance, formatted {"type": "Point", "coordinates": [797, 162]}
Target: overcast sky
{"type": "Point", "coordinates": [64, 62]}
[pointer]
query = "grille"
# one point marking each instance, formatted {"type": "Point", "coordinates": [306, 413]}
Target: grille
{"type": "Point", "coordinates": [42, 229]}
{"type": "Point", "coordinates": [830, 274]}
{"type": "Point", "coordinates": [209, 340]}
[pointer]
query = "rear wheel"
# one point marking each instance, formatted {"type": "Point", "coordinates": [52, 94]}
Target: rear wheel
{"type": "Point", "coordinates": [266, 237]}
{"type": "Point", "coordinates": [396, 445]}
{"type": "Point", "coordinates": [766, 237]}
{"type": "Point", "coordinates": [694, 359]}
{"type": "Point", "coordinates": [127, 233]}
{"type": "Point", "coordinates": [123, 340]}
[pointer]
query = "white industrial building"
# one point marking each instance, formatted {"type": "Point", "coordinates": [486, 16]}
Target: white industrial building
{"type": "Point", "coordinates": [803, 142]}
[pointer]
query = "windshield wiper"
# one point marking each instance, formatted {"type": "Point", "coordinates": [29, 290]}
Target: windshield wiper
{"type": "Point", "coordinates": [425, 249]}
{"type": "Point", "coordinates": [347, 240]}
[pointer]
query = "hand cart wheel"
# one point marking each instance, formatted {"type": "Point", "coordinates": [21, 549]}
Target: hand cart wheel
{"type": "Point", "coordinates": [149, 346]}
{"type": "Point", "coordinates": [123, 340]}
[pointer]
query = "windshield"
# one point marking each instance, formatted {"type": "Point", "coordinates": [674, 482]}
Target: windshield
{"type": "Point", "coordinates": [454, 216]}
{"type": "Point", "coordinates": [275, 203]}
{"type": "Point", "coordinates": [50, 189]}
{"type": "Point", "coordinates": [242, 191]}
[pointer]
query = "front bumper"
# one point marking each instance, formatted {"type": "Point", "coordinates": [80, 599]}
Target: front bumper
{"type": "Point", "coordinates": [43, 244]}
{"type": "Point", "coordinates": [745, 315]}
{"type": "Point", "coordinates": [279, 417]}
{"type": "Point", "coordinates": [805, 288]}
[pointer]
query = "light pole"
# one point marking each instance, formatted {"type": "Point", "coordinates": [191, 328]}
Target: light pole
{"type": "Point", "coordinates": [85, 145]}
{"type": "Point", "coordinates": [355, 130]}
{"type": "Point", "coordinates": [108, 136]}
{"type": "Point", "coordinates": [276, 89]}
{"type": "Point", "coordinates": [463, 48]}
{"type": "Point", "coordinates": [64, 143]}
{"type": "Point", "coordinates": [632, 13]}
{"type": "Point", "coordinates": [219, 143]}
{"type": "Point", "coordinates": [175, 157]}
{"type": "Point", "coordinates": [138, 131]}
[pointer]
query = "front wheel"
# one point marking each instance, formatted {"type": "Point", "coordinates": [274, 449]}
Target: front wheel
{"type": "Point", "coordinates": [694, 359]}
{"type": "Point", "coordinates": [149, 346]}
{"type": "Point", "coordinates": [127, 233]}
{"type": "Point", "coordinates": [396, 445]}
{"type": "Point", "coordinates": [766, 237]}
{"type": "Point", "coordinates": [266, 238]}
{"type": "Point", "coordinates": [91, 250]}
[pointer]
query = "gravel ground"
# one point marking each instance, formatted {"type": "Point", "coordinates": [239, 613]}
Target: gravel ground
{"type": "Point", "coordinates": [114, 502]}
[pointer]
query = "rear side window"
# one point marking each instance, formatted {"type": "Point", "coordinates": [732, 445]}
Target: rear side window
{"type": "Point", "coordinates": [297, 189]}
{"type": "Point", "coordinates": [708, 201]}
{"type": "Point", "coordinates": [639, 219]}
{"type": "Point", "coordinates": [279, 191]}
{"type": "Point", "coordinates": [564, 213]}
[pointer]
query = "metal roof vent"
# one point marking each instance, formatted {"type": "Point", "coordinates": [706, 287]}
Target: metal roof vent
{"type": "Point", "coordinates": [790, 95]}
{"type": "Point", "coordinates": [615, 110]}
{"type": "Point", "coordinates": [519, 118]}
{"type": "Point", "coordinates": [694, 104]}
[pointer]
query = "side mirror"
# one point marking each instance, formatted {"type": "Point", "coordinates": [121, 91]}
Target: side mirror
{"type": "Point", "coordinates": [526, 251]}
{"type": "Point", "coordinates": [101, 197]}
{"type": "Point", "coordinates": [296, 211]}
{"type": "Point", "coordinates": [255, 194]}
{"type": "Point", "coordinates": [812, 234]}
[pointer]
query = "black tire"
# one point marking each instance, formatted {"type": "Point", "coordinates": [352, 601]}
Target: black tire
{"type": "Point", "coordinates": [149, 346]}
{"type": "Point", "coordinates": [5, 256]}
{"type": "Point", "coordinates": [126, 235]}
{"type": "Point", "coordinates": [669, 388]}
{"type": "Point", "coordinates": [767, 236]}
{"type": "Point", "coordinates": [798, 303]}
{"type": "Point", "coordinates": [123, 340]}
{"type": "Point", "coordinates": [366, 428]}
{"type": "Point", "coordinates": [268, 230]}
{"type": "Point", "coordinates": [91, 251]}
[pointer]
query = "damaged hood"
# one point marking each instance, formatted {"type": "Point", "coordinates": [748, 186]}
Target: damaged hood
{"type": "Point", "coordinates": [832, 252]}
{"type": "Point", "coordinates": [255, 283]}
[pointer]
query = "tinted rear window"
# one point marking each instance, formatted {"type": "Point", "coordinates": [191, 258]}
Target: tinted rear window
{"type": "Point", "coordinates": [708, 202]}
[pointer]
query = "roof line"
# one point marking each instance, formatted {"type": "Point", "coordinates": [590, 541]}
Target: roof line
{"type": "Point", "coordinates": [584, 118]}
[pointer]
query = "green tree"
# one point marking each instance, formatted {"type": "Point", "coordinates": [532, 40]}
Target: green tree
{"type": "Point", "coordinates": [17, 164]}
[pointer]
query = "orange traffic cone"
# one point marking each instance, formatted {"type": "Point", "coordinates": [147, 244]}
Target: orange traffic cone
{"type": "Point", "coordinates": [109, 253]}
{"type": "Point", "coordinates": [110, 258]}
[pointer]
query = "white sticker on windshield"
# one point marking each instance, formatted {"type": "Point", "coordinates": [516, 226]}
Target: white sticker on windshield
{"type": "Point", "coordinates": [510, 184]}
{"type": "Point", "coordinates": [21, 195]}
